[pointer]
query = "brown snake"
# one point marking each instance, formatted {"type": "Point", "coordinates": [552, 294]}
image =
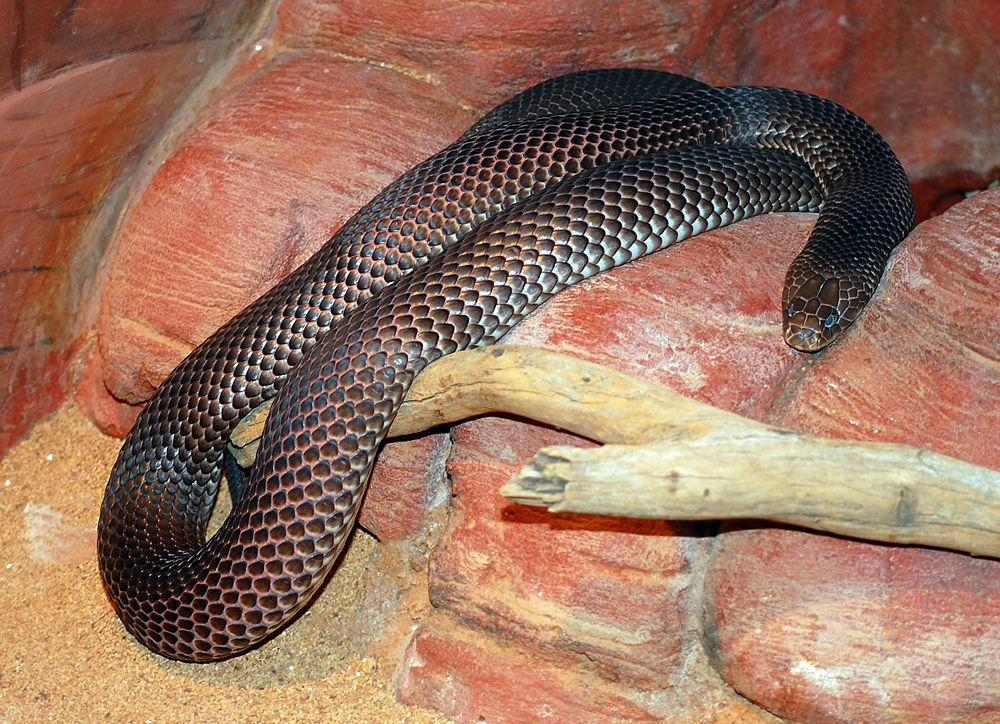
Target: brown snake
{"type": "Point", "coordinates": [577, 175]}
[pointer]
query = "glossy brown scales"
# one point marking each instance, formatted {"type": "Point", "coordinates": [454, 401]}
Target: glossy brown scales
{"type": "Point", "coordinates": [585, 90]}
{"type": "Point", "coordinates": [197, 601]}
{"type": "Point", "coordinates": [325, 430]}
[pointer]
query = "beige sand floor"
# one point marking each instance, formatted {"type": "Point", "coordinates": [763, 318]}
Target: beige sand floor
{"type": "Point", "coordinates": [65, 657]}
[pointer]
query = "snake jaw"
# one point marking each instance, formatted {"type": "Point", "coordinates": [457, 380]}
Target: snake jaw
{"type": "Point", "coordinates": [815, 313]}
{"type": "Point", "coordinates": [802, 332]}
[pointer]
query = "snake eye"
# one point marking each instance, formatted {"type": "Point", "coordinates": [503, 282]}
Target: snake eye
{"type": "Point", "coordinates": [830, 321]}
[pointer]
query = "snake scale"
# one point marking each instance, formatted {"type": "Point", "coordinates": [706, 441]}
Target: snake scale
{"type": "Point", "coordinates": [577, 175]}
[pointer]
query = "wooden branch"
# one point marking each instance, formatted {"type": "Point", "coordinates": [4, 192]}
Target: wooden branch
{"type": "Point", "coordinates": [671, 457]}
{"type": "Point", "coordinates": [891, 493]}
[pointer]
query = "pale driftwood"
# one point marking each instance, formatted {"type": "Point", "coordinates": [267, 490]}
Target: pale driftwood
{"type": "Point", "coordinates": [890, 493]}
{"type": "Point", "coordinates": [245, 440]}
{"type": "Point", "coordinates": [671, 457]}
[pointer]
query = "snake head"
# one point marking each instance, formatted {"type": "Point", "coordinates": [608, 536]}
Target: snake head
{"type": "Point", "coordinates": [817, 310]}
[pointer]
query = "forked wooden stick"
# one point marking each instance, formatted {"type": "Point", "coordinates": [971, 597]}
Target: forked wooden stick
{"type": "Point", "coordinates": [670, 457]}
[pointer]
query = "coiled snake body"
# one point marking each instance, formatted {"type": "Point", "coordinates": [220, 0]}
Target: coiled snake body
{"type": "Point", "coordinates": [577, 175]}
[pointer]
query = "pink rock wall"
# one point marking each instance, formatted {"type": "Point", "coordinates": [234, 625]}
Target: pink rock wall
{"type": "Point", "coordinates": [87, 89]}
{"type": "Point", "coordinates": [920, 71]}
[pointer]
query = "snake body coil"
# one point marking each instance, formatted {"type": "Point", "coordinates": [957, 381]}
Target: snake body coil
{"type": "Point", "coordinates": [577, 175]}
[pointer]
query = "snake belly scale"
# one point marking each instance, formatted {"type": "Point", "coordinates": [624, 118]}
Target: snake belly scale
{"type": "Point", "coordinates": [577, 175]}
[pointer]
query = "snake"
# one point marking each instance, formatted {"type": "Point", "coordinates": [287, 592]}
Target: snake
{"type": "Point", "coordinates": [581, 173]}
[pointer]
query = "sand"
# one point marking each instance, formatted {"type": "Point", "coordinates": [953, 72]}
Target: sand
{"type": "Point", "coordinates": [64, 656]}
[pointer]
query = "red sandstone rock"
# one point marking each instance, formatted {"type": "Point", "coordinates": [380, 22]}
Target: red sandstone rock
{"type": "Point", "coordinates": [473, 678]}
{"type": "Point", "coordinates": [249, 195]}
{"type": "Point", "coordinates": [922, 72]}
{"type": "Point", "coordinates": [407, 484]}
{"type": "Point", "coordinates": [819, 629]}
{"type": "Point", "coordinates": [84, 89]}
{"type": "Point", "coordinates": [921, 366]}
{"type": "Point", "coordinates": [61, 159]}
{"type": "Point", "coordinates": [42, 37]}
{"type": "Point", "coordinates": [613, 591]}
{"type": "Point", "coordinates": [92, 396]}
{"type": "Point", "coordinates": [459, 673]}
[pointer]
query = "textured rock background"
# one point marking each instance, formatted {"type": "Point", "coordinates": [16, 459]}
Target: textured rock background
{"type": "Point", "coordinates": [85, 91]}
{"type": "Point", "coordinates": [120, 255]}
